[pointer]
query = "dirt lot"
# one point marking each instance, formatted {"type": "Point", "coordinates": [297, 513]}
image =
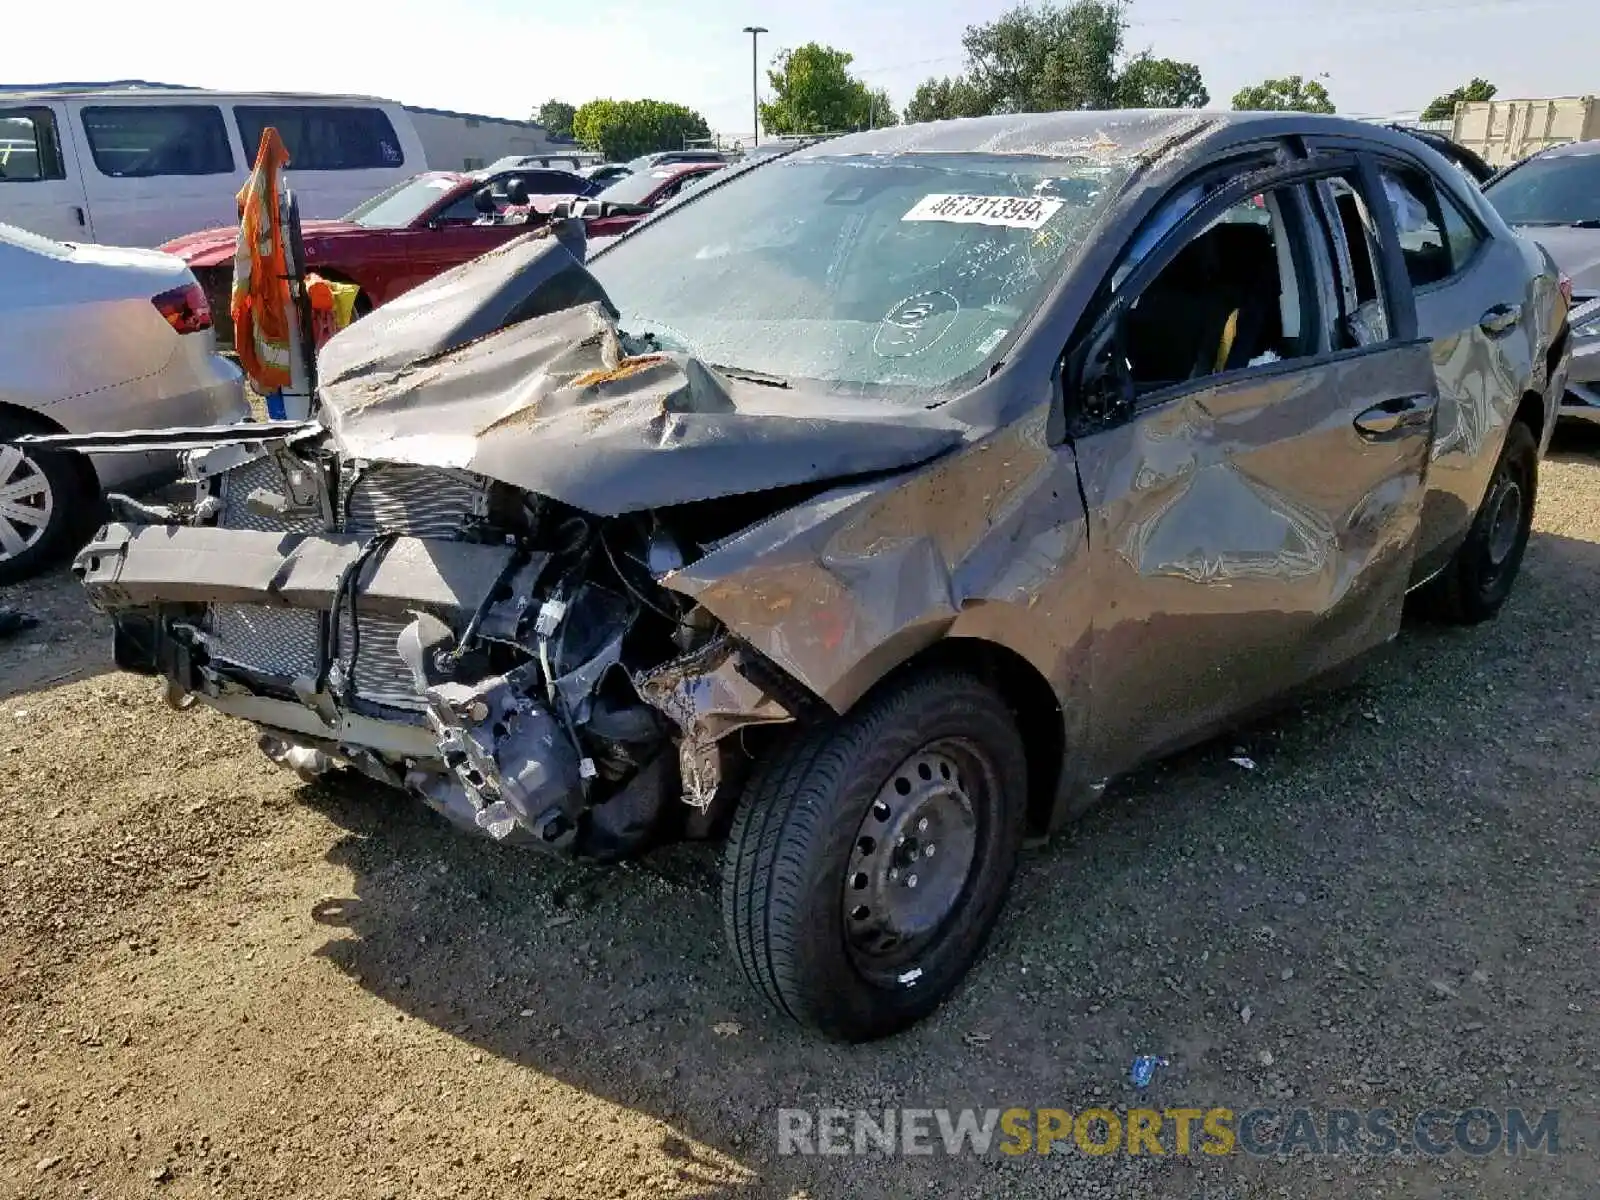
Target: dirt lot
{"type": "Point", "coordinates": [215, 980]}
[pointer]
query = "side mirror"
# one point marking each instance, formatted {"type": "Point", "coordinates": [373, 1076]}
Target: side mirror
{"type": "Point", "coordinates": [1099, 382]}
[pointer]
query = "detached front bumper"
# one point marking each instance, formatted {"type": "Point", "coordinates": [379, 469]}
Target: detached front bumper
{"type": "Point", "coordinates": [344, 649]}
{"type": "Point", "coordinates": [428, 664]}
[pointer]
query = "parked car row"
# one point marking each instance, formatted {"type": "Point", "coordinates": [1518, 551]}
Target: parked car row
{"type": "Point", "coordinates": [438, 220]}
{"type": "Point", "coordinates": [869, 506]}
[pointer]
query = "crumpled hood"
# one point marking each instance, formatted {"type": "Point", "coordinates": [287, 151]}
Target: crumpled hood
{"type": "Point", "coordinates": [1576, 251]}
{"type": "Point", "coordinates": [449, 376]}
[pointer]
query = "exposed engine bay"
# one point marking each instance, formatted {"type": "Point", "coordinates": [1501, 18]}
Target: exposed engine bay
{"type": "Point", "coordinates": [507, 659]}
{"type": "Point", "coordinates": [451, 580]}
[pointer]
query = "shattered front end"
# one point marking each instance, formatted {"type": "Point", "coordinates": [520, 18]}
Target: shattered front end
{"type": "Point", "coordinates": [479, 573]}
{"type": "Point", "coordinates": [507, 659]}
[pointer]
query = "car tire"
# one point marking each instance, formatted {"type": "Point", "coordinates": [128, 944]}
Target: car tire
{"type": "Point", "coordinates": [50, 488]}
{"type": "Point", "coordinates": [1478, 579]}
{"type": "Point", "coordinates": [924, 783]}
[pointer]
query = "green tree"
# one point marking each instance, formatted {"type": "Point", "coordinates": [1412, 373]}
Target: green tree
{"type": "Point", "coordinates": [556, 117]}
{"type": "Point", "coordinates": [1047, 57]}
{"type": "Point", "coordinates": [943, 99]}
{"type": "Point", "coordinates": [1148, 82]}
{"type": "Point", "coordinates": [622, 129]}
{"type": "Point", "coordinates": [1442, 108]}
{"type": "Point", "coordinates": [1292, 93]}
{"type": "Point", "coordinates": [814, 92]}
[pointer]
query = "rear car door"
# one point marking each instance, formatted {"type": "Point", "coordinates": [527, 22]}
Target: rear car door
{"type": "Point", "coordinates": [1472, 302]}
{"type": "Point", "coordinates": [1252, 464]}
{"type": "Point", "coordinates": [41, 187]}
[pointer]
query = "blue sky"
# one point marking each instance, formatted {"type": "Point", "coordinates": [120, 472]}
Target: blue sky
{"type": "Point", "coordinates": [501, 57]}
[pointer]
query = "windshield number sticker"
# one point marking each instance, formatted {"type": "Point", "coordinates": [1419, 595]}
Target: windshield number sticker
{"type": "Point", "coordinates": [1013, 212]}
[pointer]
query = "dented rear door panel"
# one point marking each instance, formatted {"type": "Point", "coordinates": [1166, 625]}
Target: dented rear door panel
{"type": "Point", "coordinates": [1245, 537]}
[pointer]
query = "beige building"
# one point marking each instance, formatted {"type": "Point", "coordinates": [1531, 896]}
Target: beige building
{"type": "Point", "coordinates": [456, 141]}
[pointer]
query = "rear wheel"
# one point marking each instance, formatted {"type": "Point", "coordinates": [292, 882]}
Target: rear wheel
{"type": "Point", "coordinates": [1476, 583]}
{"type": "Point", "coordinates": [43, 499]}
{"type": "Point", "coordinates": [869, 859]}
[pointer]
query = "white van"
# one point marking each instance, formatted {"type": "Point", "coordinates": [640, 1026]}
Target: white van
{"type": "Point", "coordinates": [140, 166]}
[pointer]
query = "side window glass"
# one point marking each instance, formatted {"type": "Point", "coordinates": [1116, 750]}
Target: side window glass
{"type": "Point", "coordinates": [30, 151]}
{"type": "Point", "coordinates": [460, 212]}
{"type": "Point", "coordinates": [1420, 224]}
{"type": "Point", "coordinates": [1460, 236]}
{"type": "Point", "coordinates": [137, 141]}
{"type": "Point", "coordinates": [323, 137]}
{"type": "Point", "coordinates": [1234, 296]}
{"type": "Point", "coordinates": [1363, 318]}
{"type": "Point", "coordinates": [552, 183]}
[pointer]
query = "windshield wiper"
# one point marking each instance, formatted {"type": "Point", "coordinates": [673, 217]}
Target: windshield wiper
{"type": "Point", "coordinates": [1586, 223]}
{"type": "Point", "coordinates": [761, 377]}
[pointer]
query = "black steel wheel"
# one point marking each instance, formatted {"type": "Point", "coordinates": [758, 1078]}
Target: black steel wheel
{"type": "Point", "coordinates": [1478, 580]}
{"type": "Point", "coordinates": [870, 857]}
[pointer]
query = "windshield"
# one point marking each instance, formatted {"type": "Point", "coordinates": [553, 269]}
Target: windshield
{"type": "Point", "coordinates": [632, 189]}
{"type": "Point", "coordinates": [1560, 190]}
{"type": "Point", "coordinates": [888, 276]}
{"type": "Point", "coordinates": [403, 203]}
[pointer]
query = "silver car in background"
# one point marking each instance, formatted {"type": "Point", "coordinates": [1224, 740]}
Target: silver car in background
{"type": "Point", "coordinates": [94, 338]}
{"type": "Point", "coordinates": [1554, 198]}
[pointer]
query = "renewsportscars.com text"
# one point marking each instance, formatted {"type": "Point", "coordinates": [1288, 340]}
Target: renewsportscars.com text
{"type": "Point", "coordinates": [1259, 1132]}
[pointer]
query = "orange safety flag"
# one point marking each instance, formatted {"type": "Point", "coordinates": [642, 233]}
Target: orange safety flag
{"type": "Point", "coordinates": [260, 303]}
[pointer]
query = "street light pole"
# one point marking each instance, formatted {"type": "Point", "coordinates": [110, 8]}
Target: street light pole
{"type": "Point", "coordinates": [755, 31]}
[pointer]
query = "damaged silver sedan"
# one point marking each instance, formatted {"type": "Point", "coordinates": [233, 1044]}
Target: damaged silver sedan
{"type": "Point", "coordinates": [870, 509]}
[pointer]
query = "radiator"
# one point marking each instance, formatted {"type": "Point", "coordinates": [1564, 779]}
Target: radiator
{"type": "Point", "coordinates": [283, 643]}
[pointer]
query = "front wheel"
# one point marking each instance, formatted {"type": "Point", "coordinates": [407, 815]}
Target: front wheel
{"type": "Point", "coordinates": [1478, 580]}
{"type": "Point", "coordinates": [870, 858]}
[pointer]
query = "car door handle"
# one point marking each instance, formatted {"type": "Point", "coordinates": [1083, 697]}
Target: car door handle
{"type": "Point", "coordinates": [77, 211]}
{"type": "Point", "coordinates": [1502, 318]}
{"type": "Point", "coordinates": [1394, 418]}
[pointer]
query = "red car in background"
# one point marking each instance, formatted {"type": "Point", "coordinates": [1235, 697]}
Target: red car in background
{"type": "Point", "coordinates": [623, 204]}
{"type": "Point", "coordinates": [399, 238]}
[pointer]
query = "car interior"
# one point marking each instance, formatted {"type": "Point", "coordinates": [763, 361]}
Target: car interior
{"type": "Point", "coordinates": [509, 207]}
{"type": "Point", "coordinates": [1229, 299]}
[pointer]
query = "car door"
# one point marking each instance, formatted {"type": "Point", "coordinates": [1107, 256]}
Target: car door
{"type": "Point", "coordinates": [1253, 504]}
{"type": "Point", "coordinates": [397, 260]}
{"type": "Point", "coordinates": [41, 187]}
{"type": "Point", "coordinates": [1471, 297]}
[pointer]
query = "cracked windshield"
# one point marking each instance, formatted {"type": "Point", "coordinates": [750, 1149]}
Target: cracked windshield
{"type": "Point", "coordinates": [895, 277]}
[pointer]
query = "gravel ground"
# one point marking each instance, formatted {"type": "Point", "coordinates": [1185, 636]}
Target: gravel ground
{"type": "Point", "coordinates": [216, 980]}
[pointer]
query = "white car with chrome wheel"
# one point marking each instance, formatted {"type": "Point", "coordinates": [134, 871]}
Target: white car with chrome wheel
{"type": "Point", "coordinates": [94, 338]}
